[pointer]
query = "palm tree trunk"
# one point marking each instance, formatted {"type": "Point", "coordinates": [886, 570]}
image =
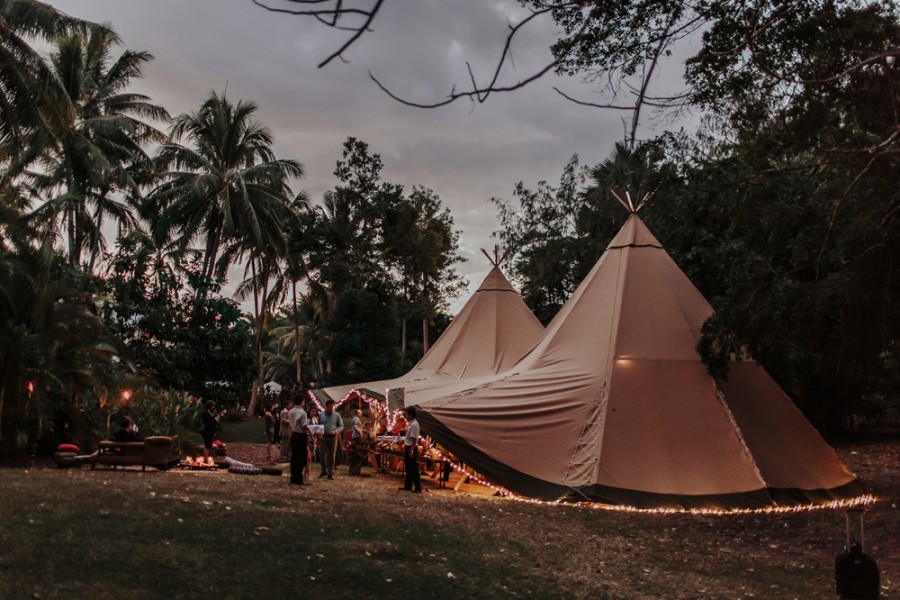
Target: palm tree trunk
{"type": "Point", "coordinates": [254, 395]}
{"type": "Point", "coordinates": [403, 342]}
{"type": "Point", "coordinates": [95, 246]}
{"type": "Point", "coordinates": [296, 332]}
{"type": "Point", "coordinates": [264, 306]}
{"type": "Point", "coordinates": [73, 258]}
{"type": "Point", "coordinates": [260, 306]}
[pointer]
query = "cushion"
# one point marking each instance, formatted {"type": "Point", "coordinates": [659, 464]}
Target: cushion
{"type": "Point", "coordinates": [68, 448]}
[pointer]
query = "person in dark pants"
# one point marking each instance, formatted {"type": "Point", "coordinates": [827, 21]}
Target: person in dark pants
{"type": "Point", "coordinates": [413, 481]}
{"type": "Point", "coordinates": [299, 430]}
{"type": "Point", "coordinates": [333, 426]}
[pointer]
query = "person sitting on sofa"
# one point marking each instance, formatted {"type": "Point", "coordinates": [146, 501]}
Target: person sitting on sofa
{"type": "Point", "coordinates": [128, 432]}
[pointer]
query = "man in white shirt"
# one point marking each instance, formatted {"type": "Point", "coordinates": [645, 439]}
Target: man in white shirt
{"type": "Point", "coordinates": [413, 482]}
{"type": "Point", "coordinates": [299, 430]}
{"type": "Point", "coordinates": [332, 426]}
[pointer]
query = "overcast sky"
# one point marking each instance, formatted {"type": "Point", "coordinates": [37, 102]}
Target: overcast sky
{"type": "Point", "coordinates": [419, 49]}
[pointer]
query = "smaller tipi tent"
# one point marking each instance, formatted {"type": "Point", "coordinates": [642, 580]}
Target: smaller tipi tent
{"type": "Point", "coordinates": [492, 331]}
{"type": "Point", "coordinates": [614, 405]}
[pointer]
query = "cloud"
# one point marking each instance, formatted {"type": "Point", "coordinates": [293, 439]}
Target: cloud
{"type": "Point", "coordinates": [466, 153]}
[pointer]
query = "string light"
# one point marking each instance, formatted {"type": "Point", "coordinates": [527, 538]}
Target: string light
{"type": "Point", "coordinates": [863, 500]}
{"type": "Point", "coordinates": [354, 394]}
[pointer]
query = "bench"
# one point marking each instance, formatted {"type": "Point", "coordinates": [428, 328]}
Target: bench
{"type": "Point", "coordinates": [153, 451]}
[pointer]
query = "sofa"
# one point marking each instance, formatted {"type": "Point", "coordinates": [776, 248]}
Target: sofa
{"type": "Point", "coordinates": [153, 451]}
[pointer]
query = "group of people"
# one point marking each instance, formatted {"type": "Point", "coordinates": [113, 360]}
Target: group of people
{"type": "Point", "coordinates": [303, 435]}
{"type": "Point", "coordinates": [311, 433]}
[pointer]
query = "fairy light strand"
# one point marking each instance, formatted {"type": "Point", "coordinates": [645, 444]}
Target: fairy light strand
{"type": "Point", "coordinates": [863, 500]}
{"type": "Point", "coordinates": [858, 501]}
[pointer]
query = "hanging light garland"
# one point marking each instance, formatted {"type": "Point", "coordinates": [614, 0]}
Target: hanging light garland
{"type": "Point", "coordinates": [353, 394]}
{"type": "Point", "coordinates": [863, 500]}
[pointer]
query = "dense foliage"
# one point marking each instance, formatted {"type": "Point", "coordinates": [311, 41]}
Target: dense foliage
{"type": "Point", "coordinates": [87, 335]}
{"type": "Point", "coordinates": [178, 329]}
{"type": "Point", "coordinates": [783, 210]}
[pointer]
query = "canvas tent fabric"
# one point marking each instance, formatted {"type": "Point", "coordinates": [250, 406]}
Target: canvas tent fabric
{"type": "Point", "coordinates": [614, 405]}
{"type": "Point", "coordinates": [492, 331]}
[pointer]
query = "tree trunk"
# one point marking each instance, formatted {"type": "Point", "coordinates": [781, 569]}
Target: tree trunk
{"type": "Point", "coordinates": [424, 336]}
{"type": "Point", "coordinates": [296, 333]}
{"type": "Point", "coordinates": [95, 244]}
{"type": "Point", "coordinates": [403, 342]}
{"type": "Point", "coordinates": [254, 395]}
{"type": "Point", "coordinates": [73, 259]}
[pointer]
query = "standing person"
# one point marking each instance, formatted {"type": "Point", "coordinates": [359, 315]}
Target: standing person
{"type": "Point", "coordinates": [333, 426]}
{"type": "Point", "coordinates": [356, 431]}
{"type": "Point", "coordinates": [269, 420]}
{"type": "Point", "coordinates": [413, 481]}
{"type": "Point", "coordinates": [312, 441]}
{"type": "Point", "coordinates": [285, 422]}
{"type": "Point", "coordinates": [299, 429]}
{"type": "Point", "coordinates": [210, 424]}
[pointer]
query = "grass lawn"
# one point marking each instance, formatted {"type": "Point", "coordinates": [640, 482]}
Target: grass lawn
{"type": "Point", "coordinates": [114, 534]}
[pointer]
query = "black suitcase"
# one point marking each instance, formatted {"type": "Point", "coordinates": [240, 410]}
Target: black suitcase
{"type": "Point", "coordinates": [855, 573]}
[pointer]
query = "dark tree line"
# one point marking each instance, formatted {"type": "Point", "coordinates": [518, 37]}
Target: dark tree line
{"type": "Point", "coordinates": [783, 209]}
{"type": "Point", "coordinates": [120, 225]}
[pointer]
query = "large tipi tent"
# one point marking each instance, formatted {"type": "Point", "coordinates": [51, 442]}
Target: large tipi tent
{"type": "Point", "coordinates": [494, 329]}
{"type": "Point", "coordinates": [614, 405]}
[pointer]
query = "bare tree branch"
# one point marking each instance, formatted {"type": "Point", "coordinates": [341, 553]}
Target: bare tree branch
{"type": "Point", "coordinates": [481, 94]}
{"type": "Point", "coordinates": [593, 104]}
{"type": "Point", "coordinates": [648, 73]}
{"type": "Point", "coordinates": [331, 17]}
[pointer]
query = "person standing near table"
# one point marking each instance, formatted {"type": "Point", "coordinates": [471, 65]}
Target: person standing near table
{"type": "Point", "coordinates": [285, 423]}
{"type": "Point", "coordinates": [312, 441]}
{"type": "Point", "coordinates": [356, 432]}
{"type": "Point", "coordinates": [413, 482]}
{"type": "Point", "coordinates": [333, 426]}
{"type": "Point", "coordinates": [299, 429]}
{"type": "Point", "coordinates": [269, 420]}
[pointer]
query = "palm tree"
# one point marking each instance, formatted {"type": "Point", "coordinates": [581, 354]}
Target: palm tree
{"type": "Point", "coordinates": [263, 267]}
{"type": "Point", "coordinates": [27, 83]}
{"type": "Point", "coordinates": [305, 336]}
{"type": "Point", "coordinates": [100, 133]}
{"type": "Point", "coordinates": [295, 269]}
{"type": "Point", "coordinates": [223, 182]}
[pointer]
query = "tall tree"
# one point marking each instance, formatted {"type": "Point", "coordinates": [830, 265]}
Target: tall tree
{"type": "Point", "coordinates": [176, 334]}
{"type": "Point", "coordinates": [27, 84]}
{"type": "Point", "coordinates": [541, 234]}
{"type": "Point", "coordinates": [371, 234]}
{"type": "Point", "coordinates": [420, 246]}
{"type": "Point", "coordinates": [223, 182]}
{"type": "Point", "coordinates": [346, 230]}
{"type": "Point", "coordinates": [99, 133]}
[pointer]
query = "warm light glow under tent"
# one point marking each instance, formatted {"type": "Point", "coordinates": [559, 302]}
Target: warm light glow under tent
{"type": "Point", "coordinates": [613, 405]}
{"type": "Point", "coordinates": [494, 329]}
